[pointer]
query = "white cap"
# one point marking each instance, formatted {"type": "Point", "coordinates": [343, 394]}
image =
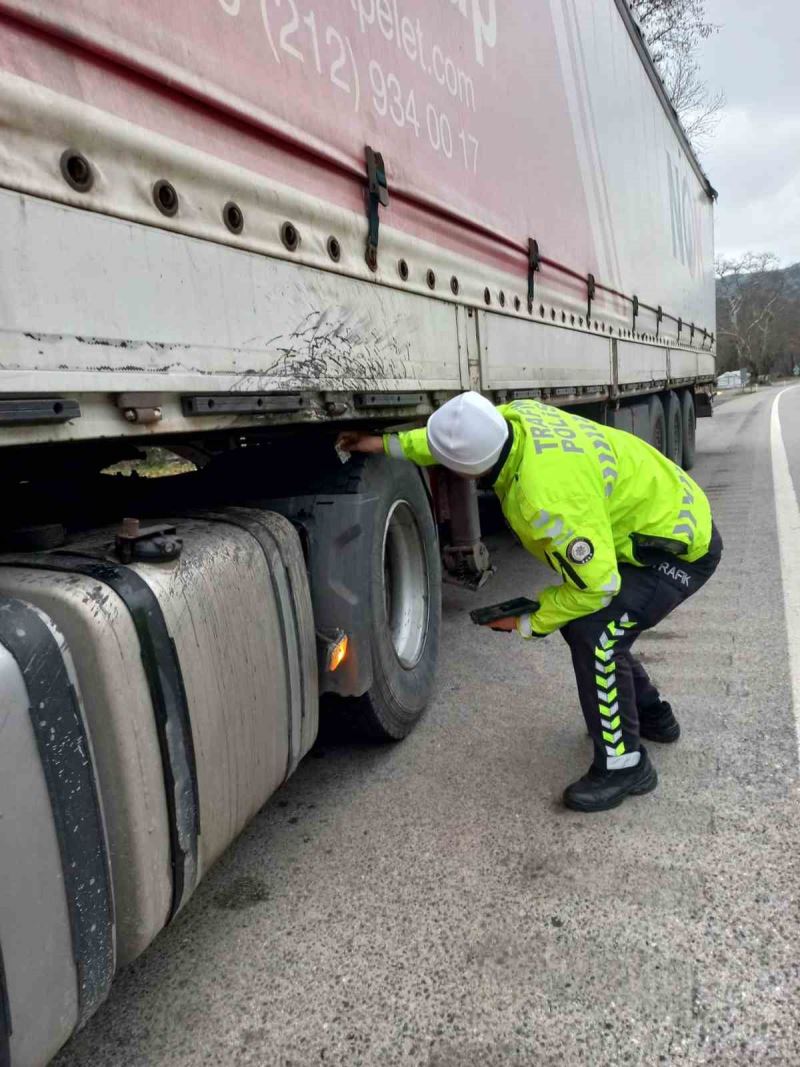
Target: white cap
{"type": "Point", "coordinates": [467, 434]}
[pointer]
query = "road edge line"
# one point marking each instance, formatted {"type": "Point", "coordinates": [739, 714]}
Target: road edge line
{"type": "Point", "coordinates": [787, 512]}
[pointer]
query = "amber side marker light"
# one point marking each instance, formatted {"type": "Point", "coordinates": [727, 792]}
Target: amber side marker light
{"type": "Point", "coordinates": [337, 653]}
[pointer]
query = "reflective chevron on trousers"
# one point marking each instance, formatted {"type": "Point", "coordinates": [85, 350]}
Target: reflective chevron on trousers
{"type": "Point", "coordinates": [607, 693]}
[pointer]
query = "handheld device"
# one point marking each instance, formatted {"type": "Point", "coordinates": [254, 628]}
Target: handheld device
{"type": "Point", "coordinates": [520, 605]}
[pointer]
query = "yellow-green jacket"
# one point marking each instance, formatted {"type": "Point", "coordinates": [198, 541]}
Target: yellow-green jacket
{"type": "Point", "coordinates": [582, 497]}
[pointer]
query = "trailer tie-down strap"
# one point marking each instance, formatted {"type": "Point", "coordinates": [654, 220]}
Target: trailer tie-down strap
{"type": "Point", "coordinates": [534, 264]}
{"type": "Point", "coordinates": [377, 197]}
{"type": "Point", "coordinates": [168, 696]}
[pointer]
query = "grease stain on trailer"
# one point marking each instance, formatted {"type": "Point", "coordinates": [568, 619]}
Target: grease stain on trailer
{"type": "Point", "coordinates": [339, 344]}
{"type": "Point", "coordinates": [336, 343]}
{"type": "Point", "coordinates": [113, 342]}
{"type": "Point", "coordinates": [107, 342]}
{"type": "Point", "coordinates": [117, 344]}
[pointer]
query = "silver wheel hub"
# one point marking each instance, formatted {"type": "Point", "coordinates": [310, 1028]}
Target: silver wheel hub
{"type": "Point", "coordinates": [405, 584]}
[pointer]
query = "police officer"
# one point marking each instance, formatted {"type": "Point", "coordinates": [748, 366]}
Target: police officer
{"type": "Point", "coordinates": [629, 534]}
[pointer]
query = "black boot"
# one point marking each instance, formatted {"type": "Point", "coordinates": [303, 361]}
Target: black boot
{"type": "Point", "coordinates": [657, 723]}
{"type": "Point", "coordinates": [600, 790]}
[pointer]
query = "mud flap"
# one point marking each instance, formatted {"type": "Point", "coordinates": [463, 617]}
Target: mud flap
{"type": "Point", "coordinates": [338, 533]}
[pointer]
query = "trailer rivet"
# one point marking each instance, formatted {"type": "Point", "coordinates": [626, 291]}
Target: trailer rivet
{"type": "Point", "coordinates": [502, 299]}
{"type": "Point", "coordinates": [402, 269]}
{"type": "Point", "coordinates": [334, 249]}
{"type": "Point", "coordinates": [165, 198]}
{"type": "Point", "coordinates": [454, 286]}
{"type": "Point", "coordinates": [487, 296]}
{"type": "Point", "coordinates": [517, 303]}
{"type": "Point", "coordinates": [77, 170]}
{"type": "Point", "coordinates": [232, 217]}
{"type": "Point", "coordinates": [430, 278]}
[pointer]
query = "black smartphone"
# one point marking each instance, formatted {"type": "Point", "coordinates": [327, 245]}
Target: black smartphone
{"type": "Point", "coordinates": [508, 609]}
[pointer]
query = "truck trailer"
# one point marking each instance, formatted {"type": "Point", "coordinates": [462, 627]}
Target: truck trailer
{"type": "Point", "coordinates": [231, 229]}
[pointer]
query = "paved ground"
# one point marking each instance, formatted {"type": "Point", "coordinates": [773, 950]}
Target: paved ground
{"type": "Point", "coordinates": [430, 903]}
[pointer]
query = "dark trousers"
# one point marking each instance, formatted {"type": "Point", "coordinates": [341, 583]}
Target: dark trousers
{"type": "Point", "coordinates": [612, 685]}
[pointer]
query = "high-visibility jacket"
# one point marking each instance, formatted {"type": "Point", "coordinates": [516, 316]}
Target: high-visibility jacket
{"type": "Point", "coordinates": [584, 498]}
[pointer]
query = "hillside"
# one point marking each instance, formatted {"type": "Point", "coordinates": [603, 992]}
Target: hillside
{"type": "Point", "coordinates": [758, 320]}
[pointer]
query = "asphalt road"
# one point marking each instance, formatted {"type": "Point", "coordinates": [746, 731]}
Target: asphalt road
{"type": "Point", "coordinates": [431, 903]}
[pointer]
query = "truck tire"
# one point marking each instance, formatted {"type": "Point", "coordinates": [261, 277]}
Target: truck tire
{"type": "Point", "coordinates": [673, 414]}
{"type": "Point", "coordinates": [689, 416]}
{"type": "Point", "coordinates": [374, 570]}
{"type": "Point", "coordinates": [405, 604]}
{"type": "Point", "coordinates": [657, 435]}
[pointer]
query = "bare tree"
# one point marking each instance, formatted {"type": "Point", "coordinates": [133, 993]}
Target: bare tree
{"type": "Point", "coordinates": [699, 109]}
{"type": "Point", "coordinates": [673, 30]}
{"type": "Point", "coordinates": [672, 26]}
{"type": "Point", "coordinates": [750, 302]}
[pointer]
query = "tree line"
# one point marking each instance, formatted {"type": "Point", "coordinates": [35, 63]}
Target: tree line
{"type": "Point", "coordinates": [758, 315]}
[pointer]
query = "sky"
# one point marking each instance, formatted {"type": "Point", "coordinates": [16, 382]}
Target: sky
{"type": "Point", "coordinates": [754, 158]}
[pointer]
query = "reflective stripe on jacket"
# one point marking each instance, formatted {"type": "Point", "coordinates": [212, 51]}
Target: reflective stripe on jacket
{"type": "Point", "coordinates": [583, 498]}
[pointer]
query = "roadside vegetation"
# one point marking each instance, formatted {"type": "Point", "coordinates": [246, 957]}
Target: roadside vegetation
{"type": "Point", "coordinates": [758, 315]}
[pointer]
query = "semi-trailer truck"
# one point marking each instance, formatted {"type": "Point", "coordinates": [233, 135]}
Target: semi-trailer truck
{"type": "Point", "coordinates": [232, 228]}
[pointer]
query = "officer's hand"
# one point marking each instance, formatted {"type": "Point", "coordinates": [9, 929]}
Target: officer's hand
{"type": "Point", "coordinates": [359, 441]}
{"type": "Point", "coordinates": [507, 625]}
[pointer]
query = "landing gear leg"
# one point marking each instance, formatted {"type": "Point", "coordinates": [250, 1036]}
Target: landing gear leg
{"type": "Point", "coordinates": [465, 556]}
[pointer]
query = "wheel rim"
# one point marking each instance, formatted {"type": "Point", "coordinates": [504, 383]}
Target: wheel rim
{"type": "Point", "coordinates": [405, 584]}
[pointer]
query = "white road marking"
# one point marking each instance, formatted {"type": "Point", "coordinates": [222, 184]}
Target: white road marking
{"type": "Point", "coordinates": [788, 515]}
